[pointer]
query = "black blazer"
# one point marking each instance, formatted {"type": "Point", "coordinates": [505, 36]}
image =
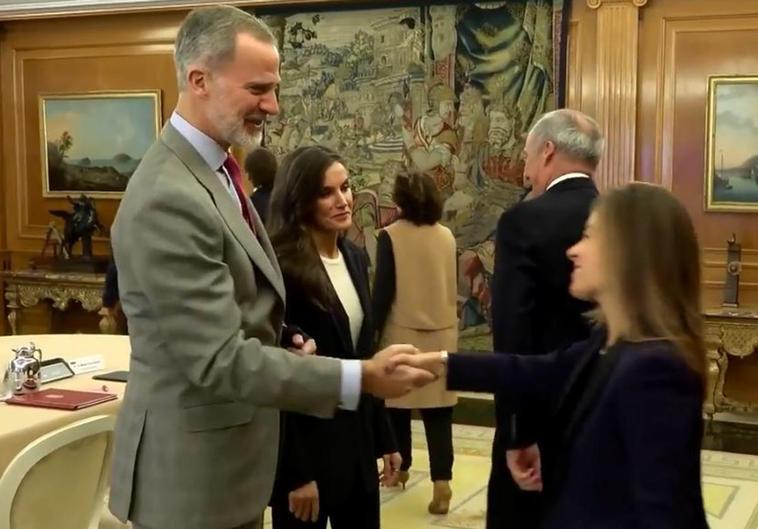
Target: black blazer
{"type": "Point", "coordinates": [260, 199]}
{"type": "Point", "coordinates": [532, 310]}
{"type": "Point", "coordinates": [339, 453]}
{"type": "Point", "coordinates": [110, 290]}
{"type": "Point", "coordinates": [625, 428]}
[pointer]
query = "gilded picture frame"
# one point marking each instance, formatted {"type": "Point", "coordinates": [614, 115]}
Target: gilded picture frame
{"type": "Point", "coordinates": [92, 142]}
{"type": "Point", "coordinates": [731, 175]}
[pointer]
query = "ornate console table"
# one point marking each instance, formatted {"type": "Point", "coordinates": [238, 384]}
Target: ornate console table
{"type": "Point", "coordinates": [728, 333]}
{"type": "Point", "coordinates": [26, 288]}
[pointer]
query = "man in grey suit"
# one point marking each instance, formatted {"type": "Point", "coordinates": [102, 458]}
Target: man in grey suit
{"type": "Point", "coordinates": [198, 432]}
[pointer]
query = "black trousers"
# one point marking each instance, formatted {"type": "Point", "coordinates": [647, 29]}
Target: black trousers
{"type": "Point", "coordinates": [359, 510]}
{"type": "Point", "coordinates": [438, 425]}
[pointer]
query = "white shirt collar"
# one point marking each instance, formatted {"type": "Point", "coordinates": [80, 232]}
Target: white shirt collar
{"type": "Point", "coordinates": [567, 176]}
{"type": "Point", "coordinates": [208, 149]}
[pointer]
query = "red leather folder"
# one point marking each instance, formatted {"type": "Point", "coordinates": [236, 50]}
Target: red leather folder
{"type": "Point", "coordinates": [62, 399]}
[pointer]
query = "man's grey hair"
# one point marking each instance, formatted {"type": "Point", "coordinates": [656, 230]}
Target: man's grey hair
{"type": "Point", "coordinates": [573, 133]}
{"type": "Point", "coordinates": [208, 36]}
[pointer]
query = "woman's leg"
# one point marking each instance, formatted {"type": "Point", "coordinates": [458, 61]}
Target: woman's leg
{"type": "Point", "coordinates": [401, 424]}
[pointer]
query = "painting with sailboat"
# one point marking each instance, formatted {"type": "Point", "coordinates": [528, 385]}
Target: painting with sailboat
{"type": "Point", "coordinates": [731, 180]}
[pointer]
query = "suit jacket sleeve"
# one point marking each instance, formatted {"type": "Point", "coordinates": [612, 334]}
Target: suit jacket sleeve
{"type": "Point", "coordinates": [660, 415]}
{"type": "Point", "coordinates": [110, 290]}
{"type": "Point", "coordinates": [529, 384]}
{"type": "Point", "coordinates": [513, 285]}
{"type": "Point", "coordinates": [383, 293]}
{"type": "Point", "coordinates": [296, 460]}
{"type": "Point", "coordinates": [176, 239]}
{"type": "Point", "coordinates": [384, 436]}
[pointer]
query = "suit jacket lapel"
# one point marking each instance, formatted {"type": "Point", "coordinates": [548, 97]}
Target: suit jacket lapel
{"type": "Point", "coordinates": [260, 251]}
{"type": "Point", "coordinates": [352, 261]}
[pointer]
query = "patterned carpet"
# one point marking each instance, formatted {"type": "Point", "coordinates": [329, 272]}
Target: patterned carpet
{"type": "Point", "coordinates": [730, 487]}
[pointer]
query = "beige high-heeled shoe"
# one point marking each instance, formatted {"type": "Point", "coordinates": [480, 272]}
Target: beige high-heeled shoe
{"type": "Point", "coordinates": [402, 477]}
{"type": "Point", "coordinates": [440, 503]}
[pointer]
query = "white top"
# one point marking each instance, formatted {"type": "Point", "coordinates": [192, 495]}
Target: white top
{"type": "Point", "coordinates": [339, 275]}
{"type": "Point", "coordinates": [567, 176]}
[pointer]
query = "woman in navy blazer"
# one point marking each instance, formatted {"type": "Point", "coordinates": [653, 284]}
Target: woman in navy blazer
{"type": "Point", "coordinates": [622, 409]}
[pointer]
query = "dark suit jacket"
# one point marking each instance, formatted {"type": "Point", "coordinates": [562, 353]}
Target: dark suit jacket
{"type": "Point", "coordinates": [340, 453]}
{"type": "Point", "coordinates": [625, 426]}
{"type": "Point", "coordinates": [110, 290]}
{"type": "Point", "coordinates": [532, 310]}
{"type": "Point", "coordinates": [260, 199]}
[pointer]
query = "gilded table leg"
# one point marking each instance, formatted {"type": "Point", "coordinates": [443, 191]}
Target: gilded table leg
{"type": "Point", "coordinates": [11, 296]}
{"type": "Point", "coordinates": [108, 324]}
{"type": "Point", "coordinates": [713, 354]}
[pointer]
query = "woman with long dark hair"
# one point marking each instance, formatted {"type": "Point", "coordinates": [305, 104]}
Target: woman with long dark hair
{"type": "Point", "coordinates": [622, 411]}
{"type": "Point", "coordinates": [327, 467]}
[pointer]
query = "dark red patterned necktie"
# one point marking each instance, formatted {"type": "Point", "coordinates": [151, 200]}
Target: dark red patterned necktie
{"type": "Point", "coordinates": [233, 168]}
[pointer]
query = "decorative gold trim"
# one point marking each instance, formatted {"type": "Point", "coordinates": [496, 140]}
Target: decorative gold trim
{"type": "Point", "coordinates": [596, 4]}
{"type": "Point", "coordinates": [114, 7]}
{"type": "Point", "coordinates": [727, 336]}
{"type": "Point", "coordinates": [43, 98]}
{"type": "Point", "coordinates": [710, 146]}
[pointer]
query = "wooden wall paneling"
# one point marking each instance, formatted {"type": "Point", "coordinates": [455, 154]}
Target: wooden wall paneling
{"type": "Point", "coordinates": [616, 71]}
{"type": "Point", "coordinates": [72, 55]}
{"type": "Point", "coordinates": [682, 42]}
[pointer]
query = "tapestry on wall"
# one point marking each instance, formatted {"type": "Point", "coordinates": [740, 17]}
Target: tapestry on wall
{"type": "Point", "coordinates": [448, 89]}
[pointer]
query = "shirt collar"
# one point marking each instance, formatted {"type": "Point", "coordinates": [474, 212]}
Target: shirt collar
{"type": "Point", "coordinates": [567, 176]}
{"type": "Point", "coordinates": [209, 150]}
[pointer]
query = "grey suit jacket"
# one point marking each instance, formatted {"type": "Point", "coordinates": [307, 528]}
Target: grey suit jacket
{"type": "Point", "coordinates": [198, 432]}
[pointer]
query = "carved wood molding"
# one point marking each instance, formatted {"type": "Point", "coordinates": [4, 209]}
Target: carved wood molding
{"type": "Point", "coordinates": [597, 4]}
{"type": "Point", "coordinates": [616, 69]}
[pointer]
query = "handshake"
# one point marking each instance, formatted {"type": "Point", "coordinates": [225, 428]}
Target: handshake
{"type": "Point", "coordinates": [398, 369]}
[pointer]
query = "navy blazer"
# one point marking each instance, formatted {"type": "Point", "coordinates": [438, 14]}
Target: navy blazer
{"type": "Point", "coordinates": [625, 425]}
{"type": "Point", "coordinates": [339, 453]}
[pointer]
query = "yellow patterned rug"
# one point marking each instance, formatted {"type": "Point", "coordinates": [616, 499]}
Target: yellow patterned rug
{"type": "Point", "coordinates": [730, 487]}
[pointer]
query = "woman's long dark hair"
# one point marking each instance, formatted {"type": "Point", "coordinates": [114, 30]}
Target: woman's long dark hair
{"type": "Point", "coordinates": [297, 187]}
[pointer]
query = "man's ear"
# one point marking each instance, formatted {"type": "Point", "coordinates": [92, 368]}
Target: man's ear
{"type": "Point", "coordinates": [197, 80]}
{"type": "Point", "coordinates": [549, 150]}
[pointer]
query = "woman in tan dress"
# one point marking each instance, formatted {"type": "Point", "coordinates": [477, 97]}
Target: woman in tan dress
{"type": "Point", "coordinates": [414, 300]}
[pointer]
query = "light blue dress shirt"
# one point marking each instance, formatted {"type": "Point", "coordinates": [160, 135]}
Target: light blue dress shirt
{"type": "Point", "coordinates": [214, 156]}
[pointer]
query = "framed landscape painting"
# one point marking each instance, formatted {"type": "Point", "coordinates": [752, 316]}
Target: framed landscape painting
{"type": "Point", "coordinates": [93, 142]}
{"type": "Point", "coordinates": [731, 178]}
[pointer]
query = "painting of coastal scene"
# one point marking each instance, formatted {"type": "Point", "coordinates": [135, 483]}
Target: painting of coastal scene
{"type": "Point", "coordinates": [732, 166]}
{"type": "Point", "coordinates": [93, 142]}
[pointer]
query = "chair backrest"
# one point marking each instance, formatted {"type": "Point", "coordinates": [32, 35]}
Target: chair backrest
{"type": "Point", "coordinates": [60, 479]}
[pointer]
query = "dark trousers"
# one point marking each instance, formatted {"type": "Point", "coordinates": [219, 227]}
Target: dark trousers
{"type": "Point", "coordinates": [438, 425]}
{"type": "Point", "coordinates": [509, 507]}
{"type": "Point", "coordinates": [359, 510]}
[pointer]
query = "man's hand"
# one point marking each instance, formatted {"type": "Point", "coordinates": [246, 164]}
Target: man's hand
{"type": "Point", "coordinates": [526, 467]}
{"type": "Point", "coordinates": [304, 502]}
{"type": "Point", "coordinates": [431, 362]}
{"type": "Point", "coordinates": [387, 381]}
{"type": "Point", "coordinates": [390, 469]}
{"type": "Point", "coordinates": [302, 347]}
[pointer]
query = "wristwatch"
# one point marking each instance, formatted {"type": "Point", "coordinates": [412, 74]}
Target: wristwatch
{"type": "Point", "coordinates": [443, 358]}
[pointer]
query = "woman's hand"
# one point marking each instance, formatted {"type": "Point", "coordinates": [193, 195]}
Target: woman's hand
{"type": "Point", "coordinates": [432, 362]}
{"type": "Point", "coordinates": [390, 469]}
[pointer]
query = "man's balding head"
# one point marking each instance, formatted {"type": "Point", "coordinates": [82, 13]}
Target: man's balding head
{"type": "Point", "coordinates": [562, 141]}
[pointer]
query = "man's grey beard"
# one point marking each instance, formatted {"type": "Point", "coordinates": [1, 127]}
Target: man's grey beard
{"type": "Point", "coordinates": [239, 137]}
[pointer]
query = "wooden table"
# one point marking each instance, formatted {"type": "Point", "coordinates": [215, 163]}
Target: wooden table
{"type": "Point", "coordinates": [26, 288]}
{"type": "Point", "coordinates": [728, 333]}
{"type": "Point", "coordinates": [19, 425]}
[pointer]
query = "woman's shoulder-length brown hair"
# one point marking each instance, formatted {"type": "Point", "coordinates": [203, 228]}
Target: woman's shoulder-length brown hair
{"type": "Point", "coordinates": [652, 246]}
{"type": "Point", "coordinates": [418, 198]}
